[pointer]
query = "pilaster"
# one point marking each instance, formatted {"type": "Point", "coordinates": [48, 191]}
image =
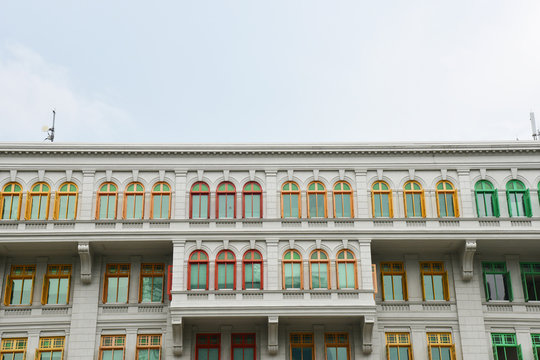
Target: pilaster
{"type": "Point", "coordinates": [465, 193]}
{"type": "Point", "coordinates": [271, 275]}
{"type": "Point", "coordinates": [86, 199]}
{"type": "Point", "coordinates": [271, 207]}
{"type": "Point", "coordinates": [362, 203]}
{"type": "Point", "coordinates": [182, 195]}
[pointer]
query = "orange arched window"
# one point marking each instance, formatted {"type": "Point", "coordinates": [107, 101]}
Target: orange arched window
{"type": "Point", "coordinates": [198, 270]}
{"type": "Point", "coordinates": [447, 205]}
{"type": "Point", "coordinates": [66, 202]}
{"type": "Point", "coordinates": [413, 196]}
{"type": "Point", "coordinates": [252, 270]}
{"type": "Point", "coordinates": [381, 200]}
{"type": "Point", "coordinates": [316, 200]}
{"type": "Point", "coordinates": [226, 201]}
{"type": "Point", "coordinates": [134, 201]}
{"type": "Point", "coordinates": [290, 200]}
{"type": "Point", "coordinates": [161, 201]}
{"type": "Point", "coordinates": [37, 207]}
{"type": "Point", "coordinates": [11, 198]}
{"type": "Point", "coordinates": [200, 201]}
{"type": "Point", "coordinates": [252, 200]}
{"type": "Point", "coordinates": [107, 197]}
{"type": "Point", "coordinates": [343, 200]}
{"type": "Point", "coordinates": [225, 270]}
{"type": "Point", "coordinates": [292, 271]}
{"type": "Point", "coordinates": [319, 270]}
{"type": "Point", "coordinates": [346, 270]}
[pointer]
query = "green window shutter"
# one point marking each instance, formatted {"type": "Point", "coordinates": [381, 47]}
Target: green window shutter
{"type": "Point", "coordinates": [524, 281]}
{"type": "Point", "coordinates": [509, 286]}
{"type": "Point", "coordinates": [527, 200]}
{"type": "Point", "coordinates": [486, 286]}
{"type": "Point", "coordinates": [520, 353]}
{"type": "Point", "coordinates": [495, 355]}
{"type": "Point", "coordinates": [535, 351]}
{"type": "Point", "coordinates": [477, 205]}
{"type": "Point", "coordinates": [496, 210]}
{"type": "Point", "coordinates": [508, 203]}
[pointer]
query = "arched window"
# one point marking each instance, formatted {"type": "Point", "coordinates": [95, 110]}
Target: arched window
{"type": "Point", "coordinates": [447, 205]}
{"type": "Point", "coordinates": [319, 270]}
{"type": "Point", "coordinates": [292, 270]}
{"type": "Point", "coordinates": [161, 201]}
{"type": "Point", "coordinates": [134, 201]}
{"type": "Point", "coordinates": [413, 195]}
{"type": "Point", "coordinates": [381, 200]}
{"type": "Point", "coordinates": [226, 270]}
{"type": "Point", "coordinates": [487, 201]}
{"type": "Point", "coordinates": [346, 270]}
{"type": "Point", "coordinates": [200, 195]}
{"type": "Point", "coordinates": [519, 202]}
{"type": "Point", "coordinates": [11, 201]}
{"type": "Point", "coordinates": [343, 200]}
{"type": "Point", "coordinates": [290, 200]}
{"type": "Point", "coordinates": [226, 201]}
{"type": "Point", "coordinates": [253, 270]}
{"type": "Point", "coordinates": [252, 199]}
{"type": "Point", "coordinates": [198, 270]}
{"type": "Point", "coordinates": [66, 202]}
{"type": "Point", "coordinates": [38, 202]}
{"type": "Point", "coordinates": [106, 201]}
{"type": "Point", "coordinates": [316, 198]}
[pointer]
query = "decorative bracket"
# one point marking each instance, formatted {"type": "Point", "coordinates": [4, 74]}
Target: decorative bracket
{"type": "Point", "coordinates": [469, 249]}
{"type": "Point", "coordinates": [273, 322]}
{"type": "Point", "coordinates": [367, 334]}
{"type": "Point", "coordinates": [178, 341]}
{"type": "Point", "coordinates": [86, 262]}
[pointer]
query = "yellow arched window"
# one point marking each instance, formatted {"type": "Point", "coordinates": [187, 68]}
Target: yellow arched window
{"type": "Point", "coordinates": [11, 202]}
{"type": "Point", "coordinates": [107, 197]}
{"type": "Point", "coordinates": [66, 202]}
{"type": "Point", "coordinates": [447, 205]}
{"type": "Point", "coordinates": [290, 200]}
{"type": "Point", "coordinates": [134, 201]}
{"type": "Point", "coordinates": [316, 199]}
{"type": "Point", "coordinates": [161, 201]}
{"type": "Point", "coordinates": [37, 207]}
{"type": "Point", "coordinates": [292, 270]}
{"type": "Point", "coordinates": [381, 200]}
{"type": "Point", "coordinates": [413, 196]}
{"type": "Point", "coordinates": [343, 200]}
{"type": "Point", "coordinates": [319, 270]}
{"type": "Point", "coordinates": [346, 270]}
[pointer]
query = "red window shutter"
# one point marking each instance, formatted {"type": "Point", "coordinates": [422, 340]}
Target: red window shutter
{"type": "Point", "coordinates": [169, 281]}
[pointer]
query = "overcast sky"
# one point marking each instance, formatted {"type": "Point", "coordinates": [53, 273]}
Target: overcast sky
{"type": "Point", "coordinates": [269, 70]}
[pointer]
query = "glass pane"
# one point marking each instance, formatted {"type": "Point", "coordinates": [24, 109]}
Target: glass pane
{"type": "Point", "coordinates": [377, 205]}
{"type": "Point", "coordinates": [428, 287]}
{"type": "Point", "coordinates": [63, 291]}
{"type": "Point", "coordinates": [257, 276]}
{"type": "Point", "coordinates": [296, 354]}
{"type": "Point", "coordinates": [438, 287]}
{"type": "Point", "coordinates": [194, 276]}
{"type": "Point", "coordinates": [118, 355]}
{"type": "Point", "coordinates": [35, 208]}
{"type": "Point", "coordinates": [398, 287]}
{"type": "Point", "coordinates": [339, 205]}
{"type": "Point", "coordinates": [248, 203]}
{"type": "Point", "coordinates": [435, 353]}
{"type": "Point", "coordinates": [72, 201]}
{"type": "Point", "coordinates": [53, 291]}
{"type": "Point", "coordinates": [294, 206]}
{"type": "Point", "coordinates": [313, 205]}
{"type": "Point", "coordinates": [123, 289]}
{"type": "Point", "coordinates": [410, 205]}
{"type": "Point", "coordinates": [112, 287]}
{"type": "Point", "coordinates": [315, 280]}
{"type": "Point", "coordinates": [157, 293]}
{"type": "Point", "coordinates": [320, 205]}
{"type": "Point", "coordinates": [165, 205]}
{"type": "Point", "coordinates": [288, 275]}
{"type": "Point", "coordinates": [520, 204]}
{"type": "Point", "coordinates": [287, 206]}
{"type": "Point", "coordinates": [388, 288]}
{"type": "Point", "coordinates": [489, 200]}
{"type": "Point", "coordinates": [230, 206]}
{"type": "Point", "coordinates": [153, 354]}
{"type": "Point", "coordinates": [27, 292]}
{"type": "Point", "coordinates": [342, 271]}
{"type": "Point", "coordinates": [202, 276]}
{"type": "Point", "coordinates": [450, 204]}
{"type": "Point", "coordinates": [44, 356]}
{"type": "Point", "coordinates": [142, 354]}
{"type": "Point", "coordinates": [248, 275]}
{"type": "Point", "coordinates": [230, 276]}
{"type": "Point", "coordinates": [62, 207]}
{"type": "Point", "coordinates": [256, 206]}
{"type": "Point", "coordinates": [196, 206]}
{"type": "Point", "coordinates": [403, 353]}
{"type": "Point", "coordinates": [221, 276]}
{"type": "Point", "coordinates": [347, 206]}
{"type": "Point", "coordinates": [417, 205]}
{"type": "Point", "coordinates": [341, 353]}
{"type": "Point", "coordinates": [393, 353]}
{"type": "Point", "coordinates": [222, 209]}
{"type": "Point", "coordinates": [445, 354]}
{"type": "Point", "coordinates": [146, 290]}
{"type": "Point", "coordinates": [442, 206]}
{"type": "Point", "coordinates": [350, 276]}
{"type": "Point", "coordinates": [331, 353]}
{"type": "Point", "coordinates": [16, 292]}
{"type": "Point", "coordinates": [238, 354]}
{"type": "Point", "coordinates": [107, 355]}
{"type": "Point", "coordinates": [138, 207]}
{"type": "Point", "coordinates": [323, 275]}
{"type": "Point", "coordinates": [385, 205]}
{"type": "Point", "coordinates": [111, 203]}
{"type": "Point", "coordinates": [213, 354]}
{"type": "Point", "coordinates": [43, 207]}
{"type": "Point", "coordinates": [130, 207]}
{"type": "Point", "coordinates": [296, 276]}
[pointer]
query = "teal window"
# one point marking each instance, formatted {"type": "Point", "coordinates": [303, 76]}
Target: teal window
{"type": "Point", "coordinates": [316, 196]}
{"type": "Point", "coordinates": [243, 346]}
{"type": "Point", "coordinates": [106, 201]}
{"type": "Point", "coordinates": [292, 270]}
{"type": "Point", "coordinates": [38, 202]}
{"type": "Point", "coordinates": [343, 203]}
{"type": "Point", "coordinates": [148, 347]}
{"type": "Point", "coordinates": [198, 270]}
{"type": "Point", "coordinates": [530, 276]}
{"type": "Point", "coordinates": [253, 270]}
{"type": "Point", "coordinates": [319, 270]}
{"type": "Point", "coordinates": [505, 347]}
{"type": "Point", "coordinates": [497, 281]}
{"type": "Point", "coordinates": [398, 346]}
{"type": "Point", "coordinates": [134, 201]}
{"type": "Point", "coordinates": [301, 346]}
{"type": "Point", "coordinates": [290, 200]}
{"type": "Point", "coordinates": [226, 270]}
{"type": "Point", "coordinates": [434, 281]}
{"type": "Point", "coordinates": [536, 345]}
{"type": "Point", "coordinates": [116, 284]}
{"type": "Point", "coordinates": [394, 281]}
{"type": "Point", "coordinates": [11, 202]}
{"type": "Point", "coordinates": [56, 285]}
{"type": "Point", "coordinates": [337, 346]}
{"type": "Point", "coordinates": [487, 201]}
{"type": "Point", "coordinates": [252, 199]}
{"type": "Point", "coordinates": [447, 205]}
{"type": "Point", "coordinates": [226, 201]}
{"type": "Point", "coordinates": [208, 347]}
{"type": "Point", "coordinates": [66, 202]}
{"type": "Point", "coordinates": [414, 199]}
{"type": "Point", "coordinates": [112, 347]}
{"type": "Point", "coordinates": [519, 202]}
{"type": "Point", "coordinates": [381, 200]}
{"type": "Point", "coordinates": [200, 195]}
{"type": "Point", "coordinates": [20, 285]}
{"type": "Point", "coordinates": [346, 270]}
{"type": "Point", "coordinates": [161, 201]}
{"type": "Point", "coordinates": [151, 286]}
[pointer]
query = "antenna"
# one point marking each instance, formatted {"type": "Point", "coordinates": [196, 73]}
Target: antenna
{"type": "Point", "coordinates": [535, 131]}
{"type": "Point", "coordinates": [50, 131]}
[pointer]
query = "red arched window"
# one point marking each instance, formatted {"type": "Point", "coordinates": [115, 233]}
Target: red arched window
{"type": "Point", "coordinates": [200, 195]}
{"type": "Point", "coordinates": [198, 270]}
{"type": "Point", "coordinates": [252, 200]}
{"type": "Point", "coordinates": [319, 270]}
{"type": "Point", "coordinates": [226, 201]}
{"type": "Point", "coordinates": [225, 270]}
{"type": "Point", "coordinates": [253, 270]}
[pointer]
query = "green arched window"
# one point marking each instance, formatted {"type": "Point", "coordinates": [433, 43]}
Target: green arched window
{"type": "Point", "coordinates": [487, 201]}
{"type": "Point", "coordinates": [519, 202]}
{"type": "Point", "coordinates": [290, 200]}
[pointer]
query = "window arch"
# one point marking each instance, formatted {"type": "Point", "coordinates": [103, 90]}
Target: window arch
{"type": "Point", "coordinates": [316, 200]}
{"type": "Point", "coordinates": [487, 201]}
{"type": "Point", "coordinates": [200, 195]}
{"type": "Point", "coordinates": [319, 270]}
{"type": "Point", "coordinates": [413, 196]}
{"type": "Point", "coordinates": [225, 270]}
{"type": "Point", "coordinates": [519, 202]}
{"type": "Point", "coordinates": [292, 270]}
{"type": "Point", "coordinates": [11, 201]}
{"type": "Point", "coordinates": [447, 205]}
{"type": "Point", "coordinates": [252, 200]}
{"type": "Point", "coordinates": [253, 270]}
{"type": "Point", "coordinates": [38, 202]}
{"type": "Point", "coordinates": [343, 200]}
{"type": "Point", "coordinates": [107, 197]}
{"type": "Point", "coordinates": [346, 270]}
{"type": "Point", "coordinates": [226, 201]}
{"type": "Point", "coordinates": [381, 200]}
{"type": "Point", "coordinates": [290, 200]}
{"type": "Point", "coordinates": [66, 202]}
{"type": "Point", "coordinates": [198, 270]}
{"type": "Point", "coordinates": [161, 201]}
{"type": "Point", "coordinates": [134, 201]}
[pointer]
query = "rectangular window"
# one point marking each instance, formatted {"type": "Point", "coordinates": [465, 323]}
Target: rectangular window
{"type": "Point", "coordinates": [56, 285]}
{"type": "Point", "coordinates": [148, 347]}
{"type": "Point", "coordinates": [208, 347]}
{"type": "Point", "coordinates": [151, 286]}
{"type": "Point", "coordinates": [20, 285]}
{"type": "Point", "coordinates": [116, 284]}
{"type": "Point", "coordinates": [497, 281]}
{"type": "Point", "coordinates": [337, 346]}
{"type": "Point", "coordinates": [50, 348]}
{"type": "Point", "coordinates": [301, 346]}
{"type": "Point", "coordinates": [440, 346]}
{"type": "Point", "coordinates": [398, 346]}
{"type": "Point", "coordinates": [505, 347]}
{"type": "Point", "coordinates": [243, 347]}
{"type": "Point", "coordinates": [530, 276]}
{"type": "Point", "coordinates": [112, 347]}
{"type": "Point", "coordinates": [536, 345]}
{"type": "Point", "coordinates": [394, 281]}
{"type": "Point", "coordinates": [434, 281]}
{"type": "Point", "coordinates": [13, 349]}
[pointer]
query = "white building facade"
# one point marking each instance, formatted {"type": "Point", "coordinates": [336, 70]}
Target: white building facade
{"type": "Point", "coordinates": [235, 251]}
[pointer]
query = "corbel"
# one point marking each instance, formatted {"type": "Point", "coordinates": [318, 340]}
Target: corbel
{"type": "Point", "coordinates": [161, 175]}
{"type": "Point", "coordinates": [69, 174]}
{"type": "Point", "coordinates": [108, 175]}
{"type": "Point", "coordinates": [252, 244]}
{"type": "Point", "coordinates": [483, 174]}
{"type": "Point", "coordinates": [345, 243]}
{"type": "Point", "coordinates": [411, 174]}
{"type": "Point", "coordinates": [514, 173]}
{"type": "Point", "coordinates": [341, 174]}
{"type": "Point", "coordinates": [251, 175]}
{"type": "Point", "coordinates": [367, 334]}
{"type": "Point", "coordinates": [135, 174]}
{"type": "Point", "coordinates": [291, 243]}
{"type": "Point", "coordinates": [226, 244]}
{"type": "Point", "coordinates": [273, 324]}
{"type": "Point", "coordinates": [443, 174]}
{"type": "Point", "coordinates": [199, 244]}
{"type": "Point", "coordinates": [290, 174]}
{"type": "Point", "coordinates": [318, 244]}
{"type": "Point", "coordinates": [316, 174]}
{"type": "Point", "coordinates": [178, 341]}
{"type": "Point", "coordinates": [226, 175]}
{"type": "Point", "coordinates": [41, 175]}
{"type": "Point", "coordinates": [469, 249]}
{"type": "Point", "coordinates": [379, 174]}
{"type": "Point", "coordinates": [86, 262]}
{"type": "Point", "coordinates": [200, 174]}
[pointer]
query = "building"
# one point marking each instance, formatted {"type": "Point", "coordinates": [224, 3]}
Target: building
{"type": "Point", "coordinates": [235, 251]}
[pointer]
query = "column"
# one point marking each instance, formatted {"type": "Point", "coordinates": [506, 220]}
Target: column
{"type": "Point", "coordinates": [135, 271]}
{"type": "Point", "coordinates": [272, 206]}
{"type": "Point", "coordinates": [86, 199]}
{"type": "Point", "coordinates": [131, 343]}
{"type": "Point", "coordinates": [414, 284]}
{"type": "Point", "coordinates": [180, 195]}
{"type": "Point", "coordinates": [465, 193]}
{"type": "Point", "coordinates": [366, 278]}
{"type": "Point", "coordinates": [41, 269]}
{"type": "Point", "coordinates": [362, 203]}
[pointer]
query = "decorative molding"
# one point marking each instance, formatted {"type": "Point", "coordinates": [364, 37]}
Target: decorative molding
{"type": "Point", "coordinates": [13, 174]}
{"type": "Point", "coordinates": [345, 243]}
{"type": "Point", "coordinates": [379, 174]}
{"type": "Point", "coordinates": [443, 174]}
{"type": "Point", "coordinates": [86, 262]}
{"type": "Point", "coordinates": [226, 244]}
{"type": "Point", "coordinates": [483, 174]}
{"type": "Point", "coordinates": [290, 174]}
{"type": "Point", "coordinates": [514, 173]}
{"type": "Point", "coordinates": [161, 175]}
{"type": "Point", "coordinates": [341, 174]}
{"type": "Point", "coordinates": [178, 341]}
{"type": "Point", "coordinates": [108, 175]}
{"type": "Point", "coordinates": [252, 244]}
{"type": "Point", "coordinates": [467, 259]}
{"type": "Point", "coordinates": [226, 175]}
{"type": "Point", "coordinates": [367, 334]}
{"type": "Point", "coordinates": [411, 174]}
{"type": "Point", "coordinates": [273, 325]}
{"type": "Point", "coordinates": [135, 175]}
{"type": "Point", "coordinates": [69, 173]}
{"type": "Point", "coordinates": [200, 174]}
{"type": "Point", "coordinates": [41, 175]}
{"type": "Point", "coordinates": [316, 174]}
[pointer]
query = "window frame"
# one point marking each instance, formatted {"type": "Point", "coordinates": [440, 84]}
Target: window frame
{"type": "Point", "coordinates": [412, 191]}
{"type": "Point", "coordinates": [445, 191]}
{"type": "Point", "coordinates": [292, 261]}
{"type": "Point", "coordinates": [225, 193]}
{"type": "Point", "coordinates": [8, 293]}
{"type": "Point", "coordinates": [198, 345]}
{"type": "Point", "coordinates": [395, 268]}
{"type": "Point", "coordinates": [11, 194]}
{"type": "Point", "coordinates": [160, 194]}
{"type": "Point", "coordinates": [244, 345]}
{"type": "Point", "coordinates": [225, 262]}
{"type": "Point", "coordinates": [317, 192]}
{"type": "Point", "coordinates": [432, 272]}
{"type": "Point", "coordinates": [39, 193]}
{"type": "Point", "coordinates": [252, 262]}
{"type": "Point", "coordinates": [526, 198]}
{"type": "Point", "coordinates": [531, 271]}
{"type": "Point", "coordinates": [535, 339]}
{"type": "Point", "coordinates": [135, 193]}
{"type": "Point", "coordinates": [198, 261]}
{"type": "Point", "coordinates": [482, 192]}
{"type": "Point", "coordinates": [440, 342]}
{"type": "Point", "coordinates": [490, 268]}
{"type": "Point", "coordinates": [502, 342]}
{"type": "Point", "coordinates": [302, 345]}
{"type": "Point", "coordinates": [113, 347]}
{"type": "Point", "coordinates": [341, 192]}
{"type": "Point", "coordinates": [328, 344]}
{"type": "Point", "coordinates": [252, 193]}
{"type": "Point", "coordinates": [399, 336]}
{"type": "Point", "coordinates": [319, 261]}
{"type": "Point", "coordinates": [59, 275]}
{"type": "Point", "coordinates": [107, 193]}
{"type": "Point", "coordinates": [149, 346]}
{"type": "Point", "coordinates": [58, 199]}
{"type": "Point", "coordinates": [154, 273]}
{"type": "Point", "coordinates": [119, 274]}
{"type": "Point", "coordinates": [4, 349]}
{"type": "Point", "coordinates": [346, 261]}
{"type": "Point", "coordinates": [290, 193]}
{"type": "Point", "coordinates": [380, 192]}
{"type": "Point", "coordinates": [54, 347]}
{"type": "Point", "coordinates": [199, 193]}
